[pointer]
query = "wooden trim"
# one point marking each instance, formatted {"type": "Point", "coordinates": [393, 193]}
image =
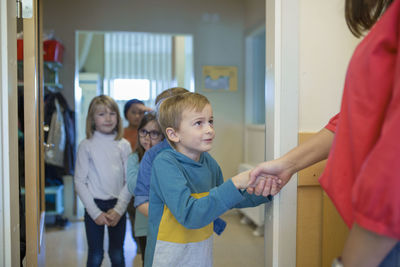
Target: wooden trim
{"type": "Point", "coordinates": [33, 102]}
{"type": "Point", "coordinates": [309, 227]}
{"type": "Point", "coordinates": [334, 232]}
{"type": "Point", "coordinates": [321, 232]}
{"type": "Point", "coordinates": [41, 117]}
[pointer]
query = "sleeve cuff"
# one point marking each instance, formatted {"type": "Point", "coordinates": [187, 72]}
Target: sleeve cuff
{"type": "Point", "coordinates": [120, 207]}
{"type": "Point", "coordinates": [139, 200]}
{"type": "Point", "coordinates": [94, 214]}
{"type": "Point", "coordinates": [229, 194]}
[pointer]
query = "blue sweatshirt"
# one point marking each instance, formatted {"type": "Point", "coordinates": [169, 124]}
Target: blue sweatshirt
{"type": "Point", "coordinates": [186, 196]}
{"type": "Point", "coordinates": [142, 190]}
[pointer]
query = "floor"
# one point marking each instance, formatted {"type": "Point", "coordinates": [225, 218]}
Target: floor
{"type": "Point", "coordinates": [237, 246]}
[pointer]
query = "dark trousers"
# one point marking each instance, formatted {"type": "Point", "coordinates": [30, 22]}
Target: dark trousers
{"type": "Point", "coordinates": [393, 257]}
{"type": "Point", "coordinates": [95, 237]}
{"type": "Point", "coordinates": [142, 240]}
{"type": "Point", "coordinates": [132, 214]}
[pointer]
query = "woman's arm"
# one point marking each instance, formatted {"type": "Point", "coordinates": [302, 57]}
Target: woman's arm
{"type": "Point", "coordinates": [312, 151]}
{"type": "Point", "coordinates": [365, 248]}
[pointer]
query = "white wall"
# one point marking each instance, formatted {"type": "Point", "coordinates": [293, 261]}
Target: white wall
{"type": "Point", "coordinates": [326, 45]}
{"type": "Point", "coordinates": [9, 181]}
{"type": "Point", "coordinates": [218, 30]}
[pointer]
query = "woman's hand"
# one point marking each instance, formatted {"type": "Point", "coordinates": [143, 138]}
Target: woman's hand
{"type": "Point", "coordinates": [269, 177]}
{"type": "Point", "coordinates": [266, 182]}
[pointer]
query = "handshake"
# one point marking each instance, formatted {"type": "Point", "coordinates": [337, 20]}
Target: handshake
{"type": "Point", "coordinates": [267, 178]}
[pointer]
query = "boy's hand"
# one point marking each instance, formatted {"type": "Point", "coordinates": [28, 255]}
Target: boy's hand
{"type": "Point", "coordinates": [113, 217]}
{"type": "Point", "coordinates": [270, 183]}
{"type": "Point", "coordinates": [102, 219]}
{"type": "Point", "coordinates": [280, 170]}
{"type": "Point", "coordinates": [241, 180]}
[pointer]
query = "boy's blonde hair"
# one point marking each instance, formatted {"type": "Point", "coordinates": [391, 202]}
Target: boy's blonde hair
{"type": "Point", "coordinates": [170, 92]}
{"type": "Point", "coordinates": [105, 101]}
{"type": "Point", "coordinates": [171, 109]}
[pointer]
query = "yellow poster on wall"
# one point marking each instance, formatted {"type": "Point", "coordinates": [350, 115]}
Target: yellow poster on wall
{"type": "Point", "coordinates": [219, 78]}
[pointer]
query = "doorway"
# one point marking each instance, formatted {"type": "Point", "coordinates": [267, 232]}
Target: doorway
{"type": "Point", "coordinates": [218, 29]}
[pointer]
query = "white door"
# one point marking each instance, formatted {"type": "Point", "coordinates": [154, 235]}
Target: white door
{"type": "Point", "coordinates": [281, 104]}
{"type": "Point", "coordinates": [9, 202]}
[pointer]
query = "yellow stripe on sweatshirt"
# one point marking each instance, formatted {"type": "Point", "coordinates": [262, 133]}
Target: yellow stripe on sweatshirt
{"type": "Point", "coordinates": [170, 230]}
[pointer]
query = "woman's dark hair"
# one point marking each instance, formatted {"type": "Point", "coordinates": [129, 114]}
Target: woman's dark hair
{"type": "Point", "coordinates": [148, 117]}
{"type": "Point", "coordinates": [361, 15]}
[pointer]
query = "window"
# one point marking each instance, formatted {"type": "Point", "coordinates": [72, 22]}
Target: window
{"type": "Point", "coordinates": [126, 89]}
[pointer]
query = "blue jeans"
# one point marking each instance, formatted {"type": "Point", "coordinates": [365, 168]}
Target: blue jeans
{"type": "Point", "coordinates": [95, 237]}
{"type": "Point", "coordinates": [393, 258]}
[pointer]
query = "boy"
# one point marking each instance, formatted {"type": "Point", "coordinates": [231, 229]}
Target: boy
{"type": "Point", "coordinates": [187, 191]}
{"type": "Point", "coordinates": [142, 189]}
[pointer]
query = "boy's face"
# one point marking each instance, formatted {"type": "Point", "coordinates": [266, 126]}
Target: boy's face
{"type": "Point", "coordinates": [135, 114]}
{"type": "Point", "coordinates": [196, 132]}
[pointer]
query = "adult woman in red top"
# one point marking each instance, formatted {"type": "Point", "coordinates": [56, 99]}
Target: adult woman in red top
{"type": "Point", "coordinates": [362, 174]}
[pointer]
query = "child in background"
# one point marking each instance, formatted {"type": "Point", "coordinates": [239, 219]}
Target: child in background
{"type": "Point", "coordinates": [149, 134]}
{"type": "Point", "coordinates": [100, 180]}
{"type": "Point", "coordinates": [187, 190]}
{"type": "Point", "coordinates": [134, 111]}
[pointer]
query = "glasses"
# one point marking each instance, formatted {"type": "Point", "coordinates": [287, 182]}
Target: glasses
{"type": "Point", "coordinates": [153, 134]}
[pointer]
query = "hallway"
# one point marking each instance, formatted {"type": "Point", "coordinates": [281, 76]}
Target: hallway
{"type": "Point", "coordinates": [236, 247]}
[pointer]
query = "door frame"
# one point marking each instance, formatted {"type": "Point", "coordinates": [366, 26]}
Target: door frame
{"type": "Point", "coordinates": [281, 104]}
{"type": "Point", "coordinates": [281, 129]}
{"type": "Point", "coordinates": [34, 138]}
{"type": "Point", "coordinates": [9, 191]}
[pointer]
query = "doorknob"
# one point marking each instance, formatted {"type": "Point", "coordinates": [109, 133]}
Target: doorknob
{"type": "Point", "coordinates": [46, 128]}
{"type": "Point", "coordinates": [46, 145]}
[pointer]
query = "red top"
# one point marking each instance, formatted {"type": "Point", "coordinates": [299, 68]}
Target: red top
{"type": "Point", "coordinates": [362, 175]}
{"type": "Point", "coordinates": [131, 135]}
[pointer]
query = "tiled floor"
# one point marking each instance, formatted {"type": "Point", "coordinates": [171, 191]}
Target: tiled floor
{"type": "Point", "coordinates": [236, 247]}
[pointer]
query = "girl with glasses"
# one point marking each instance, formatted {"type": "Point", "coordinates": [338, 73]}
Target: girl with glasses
{"type": "Point", "coordinates": [149, 134]}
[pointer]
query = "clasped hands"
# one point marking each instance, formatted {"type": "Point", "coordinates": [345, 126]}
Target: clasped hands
{"type": "Point", "coordinates": [109, 218]}
{"type": "Point", "coordinates": [267, 178]}
{"type": "Point", "coordinates": [264, 185]}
